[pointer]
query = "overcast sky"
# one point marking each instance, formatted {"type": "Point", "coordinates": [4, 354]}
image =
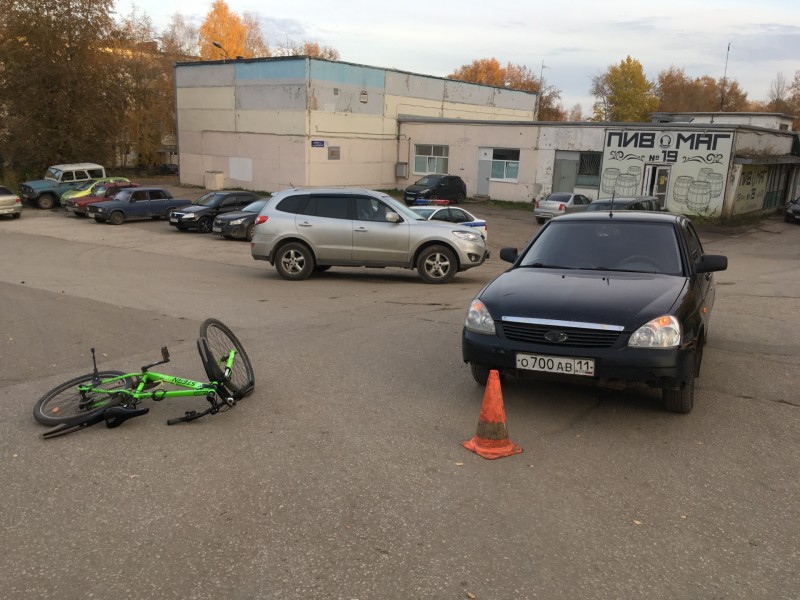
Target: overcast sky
{"type": "Point", "coordinates": [573, 39]}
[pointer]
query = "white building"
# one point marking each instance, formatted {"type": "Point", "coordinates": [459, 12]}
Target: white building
{"type": "Point", "coordinates": [268, 124]}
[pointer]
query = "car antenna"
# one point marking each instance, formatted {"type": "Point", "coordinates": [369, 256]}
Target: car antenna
{"type": "Point", "coordinates": [611, 208]}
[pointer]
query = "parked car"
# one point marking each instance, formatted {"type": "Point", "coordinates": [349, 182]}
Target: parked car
{"type": "Point", "coordinates": [200, 215]}
{"type": "Point", "coordinates": [168, 169]}
{"type": "Point", "coordinates": [47, 192]}
{"type": "Point", "coordinates": [301, 231]}
{"type": "Point", "coordinates": [559, 203]}
{"type": "Point", "coordinates": [136, 203]}
{"type": "Point", "coordinates": [93, 187]}
{"type": "Point", "coordinates": [600, 299]}
{"type": "Point", "coordinates": [443, 187]}
{"type": "Point", "coordinates": [79, 206]}
{"type": "Point", "coordinates": [10, 203]}
{"type": "Point", "coordinates": [633, 203]}
{"type": "Point", "coordinates": [792, 212]}
{"type": "Point", "coordinates": [452, 214]}
{"type": "Point", "coordinates": [239, 223]}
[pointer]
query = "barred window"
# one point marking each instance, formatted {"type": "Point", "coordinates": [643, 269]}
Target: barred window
{"type": "Point", "coordinates": [589, 169]}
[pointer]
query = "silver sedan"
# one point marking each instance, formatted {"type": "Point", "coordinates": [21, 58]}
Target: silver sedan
{"type": "Point", "coordinates": [559, 203]}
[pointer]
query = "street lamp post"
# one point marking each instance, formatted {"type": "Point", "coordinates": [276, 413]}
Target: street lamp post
{"type": "Point", "coordinates": [218, 45]}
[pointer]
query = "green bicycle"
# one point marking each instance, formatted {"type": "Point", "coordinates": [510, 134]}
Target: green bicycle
{"type": "Point", "coordinates": [113, 396]}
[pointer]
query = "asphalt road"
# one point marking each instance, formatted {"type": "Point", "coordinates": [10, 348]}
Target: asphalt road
{"type": "Point", "coordinates": [343, 475]}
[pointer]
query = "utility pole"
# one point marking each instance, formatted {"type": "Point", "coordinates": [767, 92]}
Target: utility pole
{"type": "Point", "coordinates": [724, 79]}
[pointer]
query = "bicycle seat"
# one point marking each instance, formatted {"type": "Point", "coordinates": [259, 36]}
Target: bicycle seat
{"type": "Point", "coordinates": [117, 415]}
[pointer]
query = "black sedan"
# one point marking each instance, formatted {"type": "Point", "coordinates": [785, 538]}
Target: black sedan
{"type": "Point", "coordinates": [239, 223]}
{"type": "Point", "coordinates": [202, 212]}
{"type": "Point", "coordinates": [601, 299]}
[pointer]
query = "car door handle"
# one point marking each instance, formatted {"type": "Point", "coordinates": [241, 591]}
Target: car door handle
{"type": "Point", "coordinates": [361, 229]}
{"type": "Point", "coordinates": [304, 224]}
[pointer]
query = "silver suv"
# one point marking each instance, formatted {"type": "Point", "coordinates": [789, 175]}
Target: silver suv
{"type": "Point", "coordinates": [305, 230]}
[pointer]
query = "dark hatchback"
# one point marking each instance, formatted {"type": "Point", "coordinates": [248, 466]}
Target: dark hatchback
{"type": "Point", "coordinates": [600, 299]}
{"type": "Point", "coordinates": [239, 223]}
{"type": "Point", "coordinates": [440, 187]}
{"type": "Point", "coordinates": [792, 212]}
{"type": "Point", "coordinates": [202, 212]}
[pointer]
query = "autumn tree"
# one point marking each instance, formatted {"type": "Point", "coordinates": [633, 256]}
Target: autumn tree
{"type": "Point", "coordinates": [149, 118]}
{"type": "Point", "coordinates": [488, 71]}
{"type": "Point", "coordinates": [624, 93]}
{"type": "Point", "coordinates": [307, 48]}
{"type": "Point", "coordinates": [61, 86]}
{"type": "Point", "coordinates": [226, 35]}
{"type": "Point", "coordinates": [179, 38]}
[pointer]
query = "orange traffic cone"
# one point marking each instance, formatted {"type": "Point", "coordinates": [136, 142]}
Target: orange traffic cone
{"type": "Point", "coordinates": [491, 440]}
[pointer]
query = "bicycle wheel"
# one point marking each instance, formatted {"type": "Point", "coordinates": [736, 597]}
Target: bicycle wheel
{"type": "Point", "coordinates": [64, 404]}
{"type": "Point", "coordinates": [220, 341]}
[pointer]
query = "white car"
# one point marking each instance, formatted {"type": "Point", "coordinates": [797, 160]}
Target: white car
{"type": "Point", "coordinates": [10, 203]}
{"type": "Point", "coordinates": [452, 214]}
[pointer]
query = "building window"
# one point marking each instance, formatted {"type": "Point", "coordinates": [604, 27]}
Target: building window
{"type": "Point", "coordinates": [589, 169]}
{"type": "Point", "coordinates": [505, 164]}
{"type": "Point", "coordinates": [430, 159]}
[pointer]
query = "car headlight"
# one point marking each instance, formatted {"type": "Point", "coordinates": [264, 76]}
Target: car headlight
{"type": "Point", "coordinates": [101, 210]}
{"type": "Point", "coordinates": [190, 216]}
{"type": "Point", "coordinates": [470, 236]}
{"type": "Point", "coordinates": [237, 221]}
{"type": "Point", "coordinates": [423, 192]}
{"type": "Point", "coordinates": [663, 332]}
{"type": "Point", "coordinates": [478, 318]}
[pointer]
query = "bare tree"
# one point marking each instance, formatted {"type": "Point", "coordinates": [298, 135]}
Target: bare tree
{"type": "Point", "coordinates": [179, 39]}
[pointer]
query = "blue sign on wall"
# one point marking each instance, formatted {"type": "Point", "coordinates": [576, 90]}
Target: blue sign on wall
{"type": "Point", "coordinates": [317, 144]}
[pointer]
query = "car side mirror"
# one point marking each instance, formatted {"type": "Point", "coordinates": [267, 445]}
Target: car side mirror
{"type": "Point", "coordinates": [392, 217]}
{"type": "Point", "coordinates": [509, 254]}
{"type": "Point", "coordinates": [712, 262]}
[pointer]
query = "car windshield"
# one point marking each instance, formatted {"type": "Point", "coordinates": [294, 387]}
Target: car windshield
{"type": "Point", "coordinates": [5, 192]}
{"type": "Point", "coordinates": [85, 186]}
{"type": "Point", "coordinates": [429, 180]}
{"type": "Point", "coordinates": [424, 212]}
{"type": "Point", "coordinates": [255, 206]}
{"type": "Point", "coordinates": [100, 190]}
{"type": "Point", "coordinates": [211, 199]}
{"type": "Point", "coordinates": [53, 174]}
{"type": "Point", "coordinates": [606, 246]}
{"type": "Point", "coordinates": [597, 205]}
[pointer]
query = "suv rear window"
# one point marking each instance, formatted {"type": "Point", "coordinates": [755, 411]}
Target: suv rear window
{"type": "Point", "coordinates": [293, 204]}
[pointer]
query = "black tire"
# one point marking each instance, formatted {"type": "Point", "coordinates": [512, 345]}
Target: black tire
{"type": "Point", "coordinates": [204, 225]}
{"type": "Point", "coordinates": [540, 220]}
{"type": "Point", "coordinates": [251, 231]}
{"type": "Point", "coordinates": [480, 373]}
{"type": "Point", "coordinates": [116, 218]}
{"type": "Point", "coordinates": [681, 400]}
{"type": "Point", "coordinates": [437, 264]}
{"type": "Point", "coordinates": [294, 261]}
{"type": "Point", "coordinates": [16, 215]}
{"type": "Point", "coordinates": [46, 201]}
{"type": "Point", "coordinates": [63, 404]}
{"type": "Point", "coordinates": [460, 197]}
{"type": "Point", "coordinates": [220, 341]}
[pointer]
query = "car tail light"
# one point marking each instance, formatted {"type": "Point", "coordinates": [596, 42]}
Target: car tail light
{"type": "Point", "coordinates": [537, 204]}
{"type": "Point", "coordinates": [17, 200]}
{"type": "Point", "coordinates": [562, 207]}
{"type": "Point", "coordinates": [261, 219]}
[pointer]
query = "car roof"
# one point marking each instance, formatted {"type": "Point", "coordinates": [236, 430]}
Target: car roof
{"type": "Point", "coordinates": [626, 199]}
{"type": "Point", "coordinates": [330, 190]}
{"type": "Point", "coordinates": [68, 167]}
{"type": "Point", "coordinates": [639, 216]}
{"type": "Point", "coordinates": [145, 188]}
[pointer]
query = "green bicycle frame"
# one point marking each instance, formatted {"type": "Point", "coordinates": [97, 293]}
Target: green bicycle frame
{"type": "Point", "coordinates": [191, 387]}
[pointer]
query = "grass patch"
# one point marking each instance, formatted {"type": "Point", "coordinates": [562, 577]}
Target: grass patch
{"type": "Point", "coordinates": [526, 206]}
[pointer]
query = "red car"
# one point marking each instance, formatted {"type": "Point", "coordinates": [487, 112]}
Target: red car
{"type": "Point", "coordinates": [78, 206]}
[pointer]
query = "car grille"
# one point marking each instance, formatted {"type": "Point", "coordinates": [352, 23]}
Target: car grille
{"type": "Point", "coordinates": [576, 337]}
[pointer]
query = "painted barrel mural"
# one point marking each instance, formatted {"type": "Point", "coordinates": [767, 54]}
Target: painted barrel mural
{"type": "Point", "coordinates": [715, 180]}
{"type": "Point", "coordinates": [698, 196]}
{"type": "Point", "coordinates": [609, 179]}
{"type": "Point", "coordinates": [635, 170]}
{"type": "Point", "coordinates": [680, 188]}
{"type": "Point", "coordinates": [703, 174]}
{"type": "Point", "coordinates": [626, 185]}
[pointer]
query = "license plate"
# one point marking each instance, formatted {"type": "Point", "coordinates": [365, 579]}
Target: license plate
{"type": "Point", "coordinates": [556, 364]}
{"type": "Point", "coordinates": [217, 230]}
{"type": "Point", "coordinates": [173, 219]}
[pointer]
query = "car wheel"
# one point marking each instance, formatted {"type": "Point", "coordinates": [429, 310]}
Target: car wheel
{"type": "Point", "coordinates": [436, 264]}
{"type": "Point", "coordinates": [480, 373]}
{"type": "Point", "coordinates": [680, 400]}
{"type": "Point", "coordinates": [116, 218]}
{"type": "Point", "coordinates": [16, 215]}
{"type": "Point", "coordinates": [46, 201]}
{"type": "Point", "coordinates": [204, 225]}
{"type": "Point", "coordinates": [251, 231]}
{"type": "Point", "coordinates": [540, 220]}
{"type": "Point", "coordinates": [294, 261]}
{"type": "Point", "coordinates": [460, 197]}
